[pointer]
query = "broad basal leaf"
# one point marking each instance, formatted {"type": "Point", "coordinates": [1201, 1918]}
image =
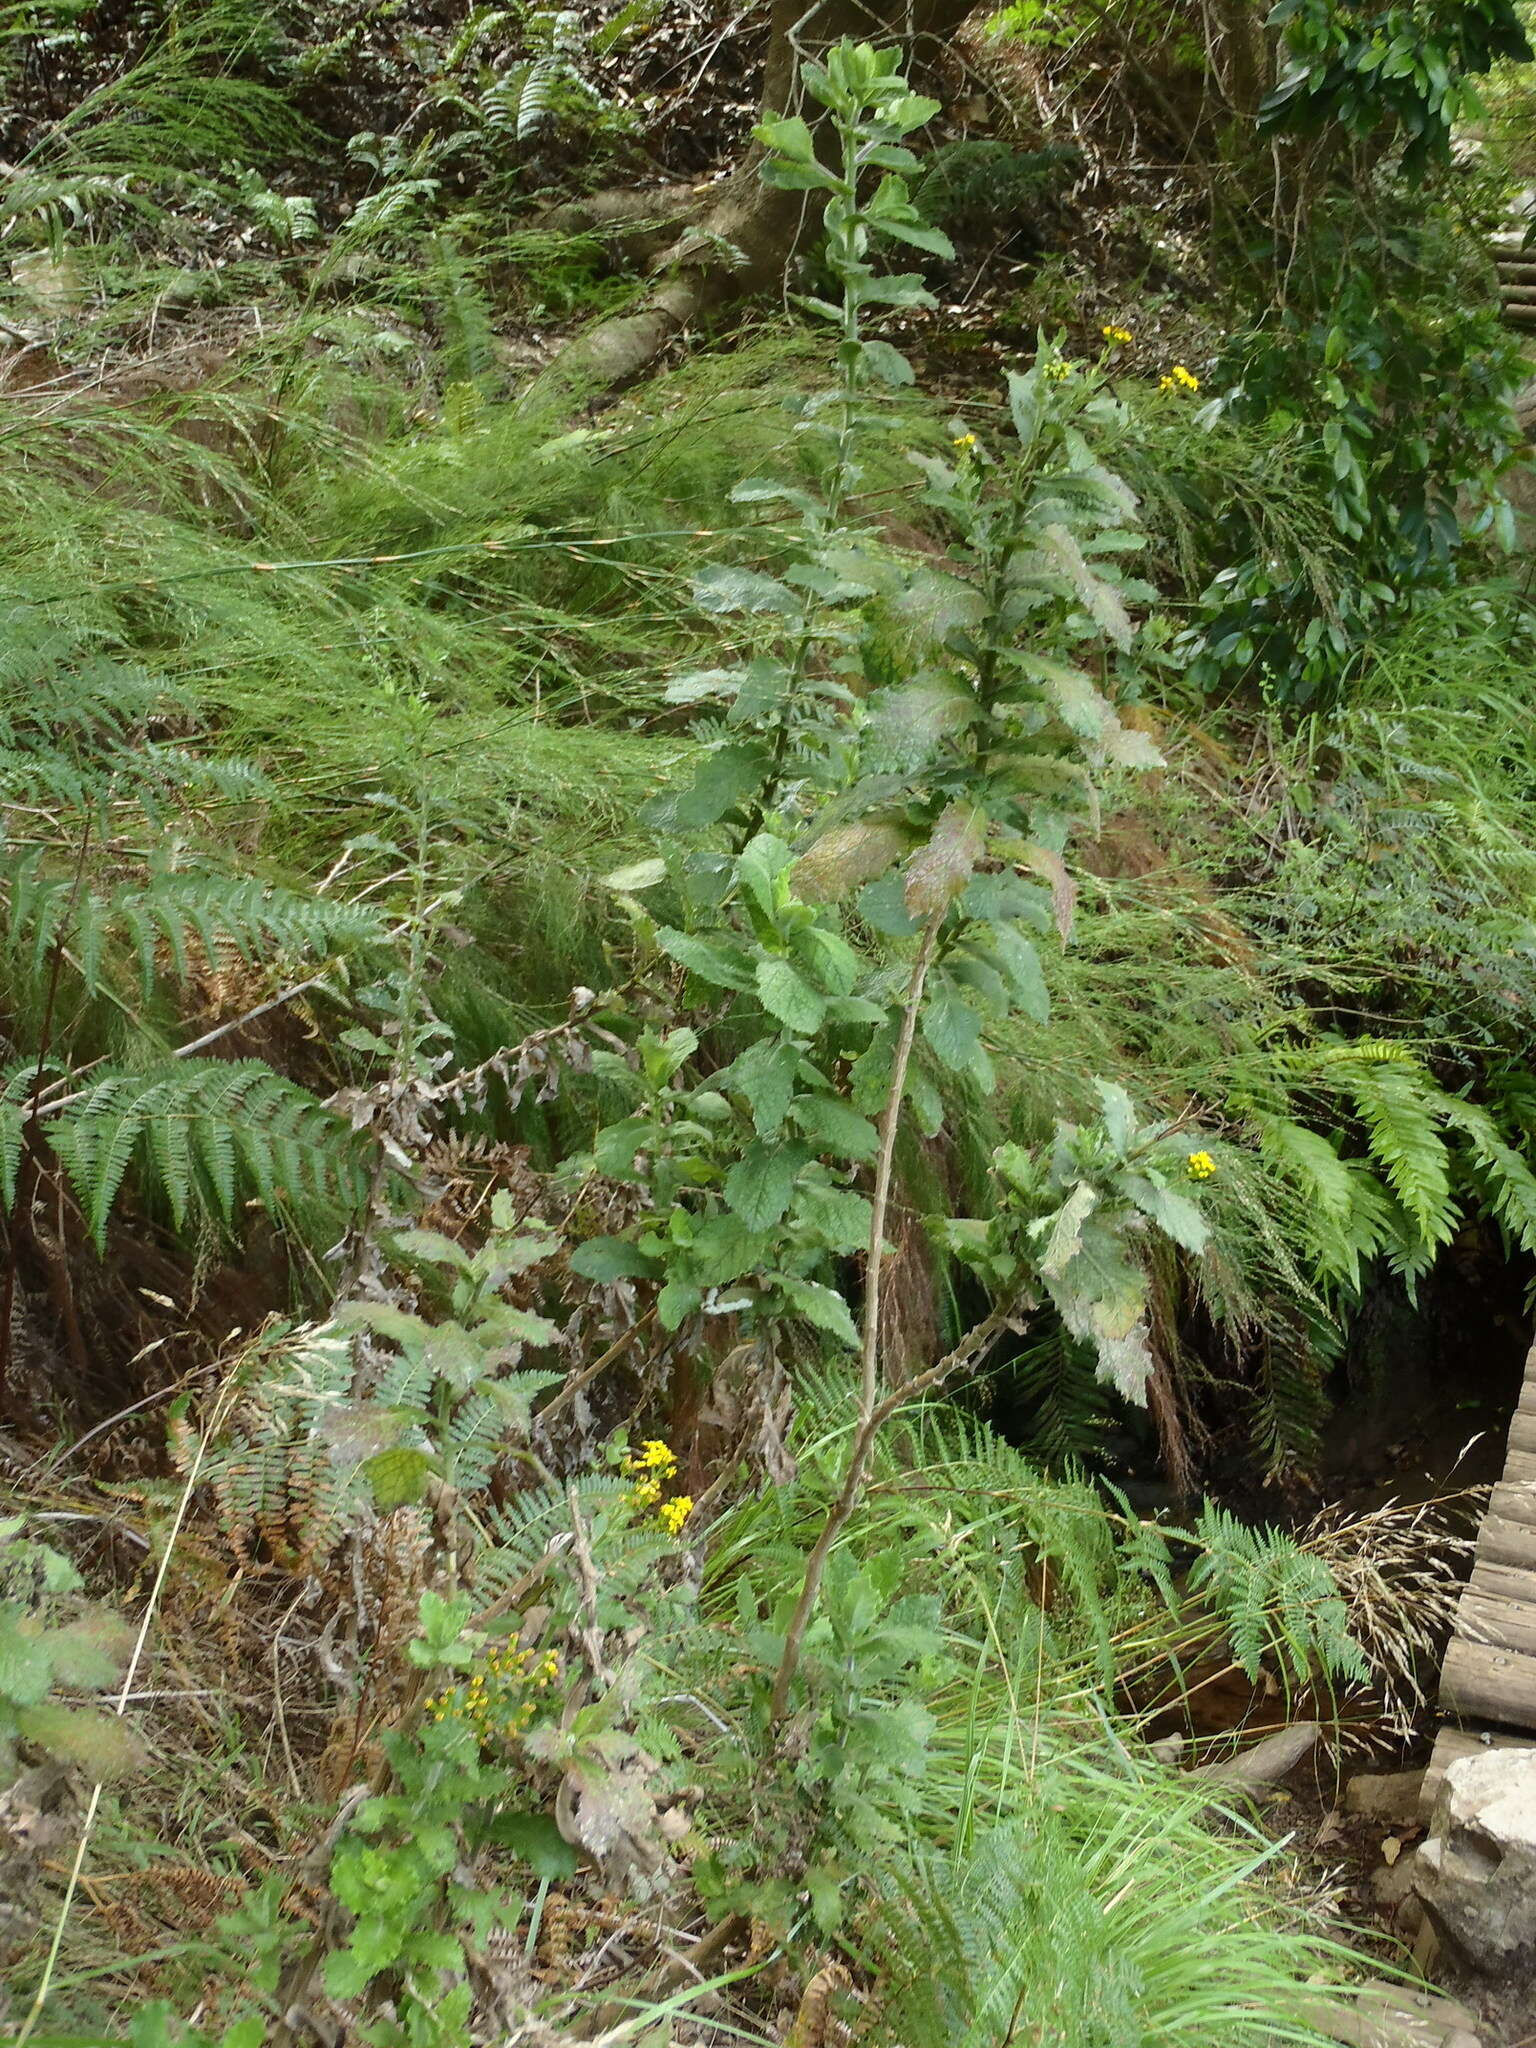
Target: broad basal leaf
{"type": "Point", "coordinates": [725, 588]}
{"type": "Point", "coordinates": [843, 859]}
{"type": "Point", "coordinates": [92, 1651]}
{"type": "Point", "coordinates": [102, 1746]}
{"type": "Point", "coordinates": [26, 1669]}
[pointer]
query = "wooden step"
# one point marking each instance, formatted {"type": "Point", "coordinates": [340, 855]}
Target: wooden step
{"type": "Point", "coordinates": [1480, 1682]}
{"type": "Point", "coordinates": [1514, 1501]}
{"type": "Point", "coordinates": [1517, 294]}
{"type": "Point", "coordinates": [1486, 1621]}
{"type": "Point", "coordinates": [1502, 1540]}
{"type": "Point", "coordinates": [1518, 269]}
{"type": "Point", "coordinates": [1495, 1580]}
{"type": "Point", "coordinates": [1522, 1431]}
{"type": "Point", "coordinates": [1520, 1466]}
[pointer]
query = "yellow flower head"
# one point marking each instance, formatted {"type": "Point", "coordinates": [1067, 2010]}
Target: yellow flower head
{"type": "Point", "coordinates": [1117, 334]}
{"type": "Point", "coordinates": [1179, 379]}
{"type": "Point", "coordinates": [673, 1513]}
{"type": "Point", "coordinates": [1200, 1166]}
{"type": "Point", "coordinates": [965, 442]}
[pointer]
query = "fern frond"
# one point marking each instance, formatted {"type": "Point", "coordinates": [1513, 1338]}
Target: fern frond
{"type": "Point", "coordinates": [1399, 1109]}
{"type": "Point", "coordinates": [198, 1131]}
{"type": "Point", "coordinates": [1272, 1597]}
{"type": "Point", "coordinates": [1509, 1183]}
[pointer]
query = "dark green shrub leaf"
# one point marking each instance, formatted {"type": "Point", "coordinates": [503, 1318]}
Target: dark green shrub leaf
{"type": "Point", "coordinates": [612, 1258]}
{"type": "Point", "coordinates": [761, 1185]}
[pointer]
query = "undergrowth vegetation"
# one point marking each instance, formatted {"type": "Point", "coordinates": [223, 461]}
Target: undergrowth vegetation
{"type": "Point", "coordinates": [594, 992]}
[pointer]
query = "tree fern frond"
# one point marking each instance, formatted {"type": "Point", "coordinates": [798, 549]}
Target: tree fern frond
{"type": "Point", "coordinates": [1509, 1183]}
{"type": "Point", "coordinates": [1312, 1163]}
{"type": "Point", "coordinates": [1398, 1107]}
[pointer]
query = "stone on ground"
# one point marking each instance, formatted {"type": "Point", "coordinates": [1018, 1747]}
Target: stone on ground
{"type": "Point", "coordinates": [1477, 1872]}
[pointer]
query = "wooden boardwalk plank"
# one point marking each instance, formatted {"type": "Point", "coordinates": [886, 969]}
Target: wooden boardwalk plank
{"type": "Point", "coordinates": [1504, 1541]}
{"type": "Point", "coordinates": [1501, 1624]}
{"type": "Point", "coordinates": [1481, 1683]}
{"type": "Point", "coordinates": [1490, 1665]}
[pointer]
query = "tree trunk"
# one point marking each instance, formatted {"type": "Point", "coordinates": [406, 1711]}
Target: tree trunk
{"type": "Point", "coordinates": [741, 242]}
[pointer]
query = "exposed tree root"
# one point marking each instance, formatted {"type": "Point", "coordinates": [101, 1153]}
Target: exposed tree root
{"type": "Point", "coordinates": [743, 234]}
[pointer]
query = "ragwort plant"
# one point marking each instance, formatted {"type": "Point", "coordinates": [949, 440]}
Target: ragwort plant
{"type": "Point", "coordinates": [857, 875]}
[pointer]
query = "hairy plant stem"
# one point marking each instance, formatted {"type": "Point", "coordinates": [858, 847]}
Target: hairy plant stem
{"type": "Point", "coordinates": [869, 1361]}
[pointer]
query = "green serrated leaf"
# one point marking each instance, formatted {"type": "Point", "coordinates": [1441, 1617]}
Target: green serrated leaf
{"type": "Point", "coordinates": [26, 1667]}
{"type": "Point", "coordinates": [822, 1307]}
{"type": "Point", "coordinates": [92, 1651]}
{"type": "Point", "coordinates": [721, 966]}
{"type": "Point", "coordinates": [834, 1125]}
{"type": "Point", "coordinates": [397, 1476]}
{"type": "Point", "coordinates": [761, 1185]}
{"type": "Point", "coordinates": [789, 997]}
{"type": "Point", "coordinates": [538, 1841]}
{"type": "Point", "coordinates": [765, 1074]}
{"type": "Point", "coordinates": [605, 1259]}
{"type": "Point", "coordinates": [952, 1029]}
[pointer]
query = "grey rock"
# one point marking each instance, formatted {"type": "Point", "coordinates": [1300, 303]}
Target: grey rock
{"type": "Point", "coordinates": [1477, 1872]}
{"type": "Point", "coordinates": [1392, 1882]}
{"type": "Point", "coordinates": [1391, 1796]}
{"type": "Point", "coordinates": [1394, 2016]}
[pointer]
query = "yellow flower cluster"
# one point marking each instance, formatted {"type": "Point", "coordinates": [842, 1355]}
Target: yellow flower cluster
{"type": "Point", "coordinates": [1117, 334]}
{"type": "Point", "coordinates": [965, 442]}
{"type": "Point", "coordinates": [653, 1468]}
{"type": "Point", "coordinates": [1200, 1166]}
{"type": "Point", "coordinates": [673, 1513]}
{"type": "Point", "coordinates": [500, 1698]}
{"type": "Point", "coordinates": [1179, 379]}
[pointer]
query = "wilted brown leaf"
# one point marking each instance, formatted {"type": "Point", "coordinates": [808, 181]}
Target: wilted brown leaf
{"type": "Point", "coordinates": [843, 859]}
{"type": "Point", "coordinates": [938, 871]}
